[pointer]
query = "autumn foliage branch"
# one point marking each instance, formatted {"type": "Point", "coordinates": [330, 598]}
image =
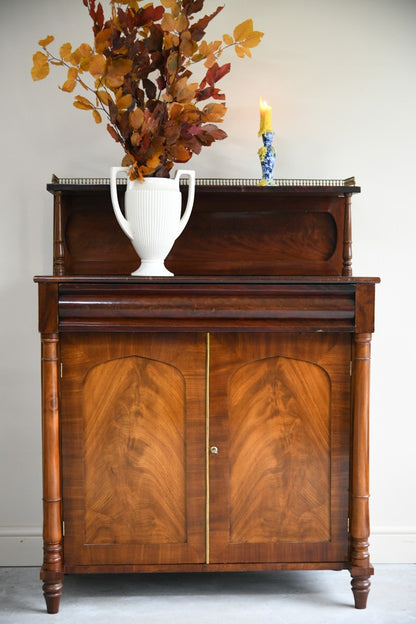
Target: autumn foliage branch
{"type": "Point", "coordinates": [140, 65]}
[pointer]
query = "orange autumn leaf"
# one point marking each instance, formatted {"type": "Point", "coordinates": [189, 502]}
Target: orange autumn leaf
{"type": "Point", "coordinates": [187, 45]}
{"type": "Point", "coordinates": [82, 103]}
{"type": "Point", "coordinates": [116, 71]}
{"type": "Point", "coordinates": [243, 30]}
{"type": "Point", "coordinates": [136, 118]}
{"type": "Point", "coordinates": [104, 97]}
{"type": "Point", "coordinates": [154, 161]}
{"type": "Point", "coordinates": [241, 51]}
{"type": "Point", "coordinates": [65, 51]}
{"type": "Point", "coordinates": [102, 40]}
{"type": "Point", "coordinates": [228, 40]}
{"type": "Point", "coordinates": [180, 153]}
{"type": "Point", "coordinates": [46, 41]}
{"type": "Point", "coordinates": [168, 23]}
{"type": "Point", "coordinates": [40, 67]}
{"type": "Point", "coordinates": [97, 65]}
{"type": "Point", "coordinates": [244, 34]}
{"type": "Point", "coordinates": [69, 85]}
{"type": "Point", "coordinates": [97, 116]}
{"type": "Point", "coordinates": [183, 91]}
{"type": "Point", "coordinates": [124, 101]}
{"type": "Point", "coordinates": [214, 112]}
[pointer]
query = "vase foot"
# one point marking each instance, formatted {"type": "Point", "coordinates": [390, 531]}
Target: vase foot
{"type": "Point", "coordinates": [152, 268]}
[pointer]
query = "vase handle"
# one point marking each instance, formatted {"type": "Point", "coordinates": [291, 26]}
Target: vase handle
{"type": "Point", "coordinates": [191, 194]}
{"type": "Point", "coordinates": [122, 221]}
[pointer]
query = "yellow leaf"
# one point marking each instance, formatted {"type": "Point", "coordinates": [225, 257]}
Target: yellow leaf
{"type": "Point", "coordinates": [228, 40]}
{"type": "Point", "coordinates": [65, 51]}
{"type": "Point", "coordinates": [168, 4]}
{"type": "Point", "coordinates": [72, 73]}
{"type": "Point", "coordinates": [104, 97]}
{"type": "Point", "coordinates": [243, 30]}
{"type": "Point", "coordinates": [97, 65]}
{"type": "Point", "coordinates": [210, 61]}
{"type": "Point", "coordinates": [40, 67]}
{"type": "Point", "coordinates": [254, 39]}
{"type": "Point", "coordinates": [97, 116]}
{"type": "Point", "coordinates": [241, 51]}
{"type": "Point", "coordinates": [46, 41]}
{"type": "Point", "coordinates": [69, 85]}
{"type": "Point", "coordinates": [85, 49]}
{"type": "Point", "coordinates": [82, 103]}
{"type": "Point", "coordinates": [136, 118]}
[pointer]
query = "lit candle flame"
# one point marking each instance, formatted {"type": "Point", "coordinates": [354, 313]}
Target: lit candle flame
{"type": "Point", "coordinates": [265, 117]}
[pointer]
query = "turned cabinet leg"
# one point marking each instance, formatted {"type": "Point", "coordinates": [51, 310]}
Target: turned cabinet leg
{"type": "Point", "coordinates": [52, 593]}
{"type": "Point", "coordinates": [360, 588]}
{"type": "Point", "coordinates": [360, 568]}
{"type": "Point", "coordinates": [52, 572]}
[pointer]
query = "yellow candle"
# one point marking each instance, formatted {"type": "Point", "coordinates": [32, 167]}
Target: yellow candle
{"type": "Point", "coordinates": [265, 117]}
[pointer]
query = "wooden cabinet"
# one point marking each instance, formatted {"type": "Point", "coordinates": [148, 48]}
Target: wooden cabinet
{"type": "Point", "coordinates": [208, 422]}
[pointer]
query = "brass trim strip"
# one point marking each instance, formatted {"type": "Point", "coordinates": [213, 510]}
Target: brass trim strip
{"type": "Point", "coordinates": [207, 368]}
{"type": "Point", "coordinates": [220, 181]}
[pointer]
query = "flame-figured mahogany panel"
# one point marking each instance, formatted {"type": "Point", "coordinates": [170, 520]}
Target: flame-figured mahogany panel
{"type": "Point", "coordinates": [133, 435]}
{"type": "Point", "coordinates": [134, 421]}
{"type": "Point", "coordinates": [279, 410]}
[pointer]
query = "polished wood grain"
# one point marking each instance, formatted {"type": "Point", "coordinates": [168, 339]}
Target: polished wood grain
{"type": "Point", "coordinates": [133, 447]}
{"type": "Point", "coordinates": [251, 231]}
{"type": "Point", "coordinates": [361, 568]}
{"type": "Point", "coordinates": [135, 394]}
{"type": "Point", "coordinates": [52, 570]}
{"type": "Point", "coordinates": [135, 481]}
{"type": "Point", "coordinates": [231, 306]}
{"type": "Point", "coordinates": [279, 415]}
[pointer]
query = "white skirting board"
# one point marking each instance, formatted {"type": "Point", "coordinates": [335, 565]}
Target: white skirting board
{"type": "Point", "coordinates": [22, 545]}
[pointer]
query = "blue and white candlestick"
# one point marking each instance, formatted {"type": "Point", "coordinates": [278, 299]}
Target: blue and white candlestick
{"type": "Point", "coordinates": [267, 155]}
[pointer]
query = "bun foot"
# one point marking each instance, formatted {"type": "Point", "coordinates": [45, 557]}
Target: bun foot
{"type": "Point", "coordinates": [360, 588]}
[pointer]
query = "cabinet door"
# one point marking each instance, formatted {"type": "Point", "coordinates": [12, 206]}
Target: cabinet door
{"type": "Point", "coordinates": [133, 448]}
{"type": "Point", "coordinates": [280, 418]}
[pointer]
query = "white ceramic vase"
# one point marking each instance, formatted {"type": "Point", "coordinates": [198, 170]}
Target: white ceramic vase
{"type": "Point", "coordinates": [152, 218]}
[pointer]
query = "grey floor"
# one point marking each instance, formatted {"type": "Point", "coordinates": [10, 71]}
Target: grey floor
{"type": "Point", "coordinates": [255, 598]}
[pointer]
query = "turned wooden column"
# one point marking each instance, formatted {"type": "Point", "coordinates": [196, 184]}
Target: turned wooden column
{"type": "Point", "coordinates": [51, 572]}
{"type": "Point", "coordinates": [361, 568]}
{"type": "Point", "coordinates": [58, 237]}
{"type": "Point", "coordinates": [347, 242]}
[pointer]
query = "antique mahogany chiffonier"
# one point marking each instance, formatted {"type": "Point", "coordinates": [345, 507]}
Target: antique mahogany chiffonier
{"type": "Point", "coordinates": [216, 420]}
